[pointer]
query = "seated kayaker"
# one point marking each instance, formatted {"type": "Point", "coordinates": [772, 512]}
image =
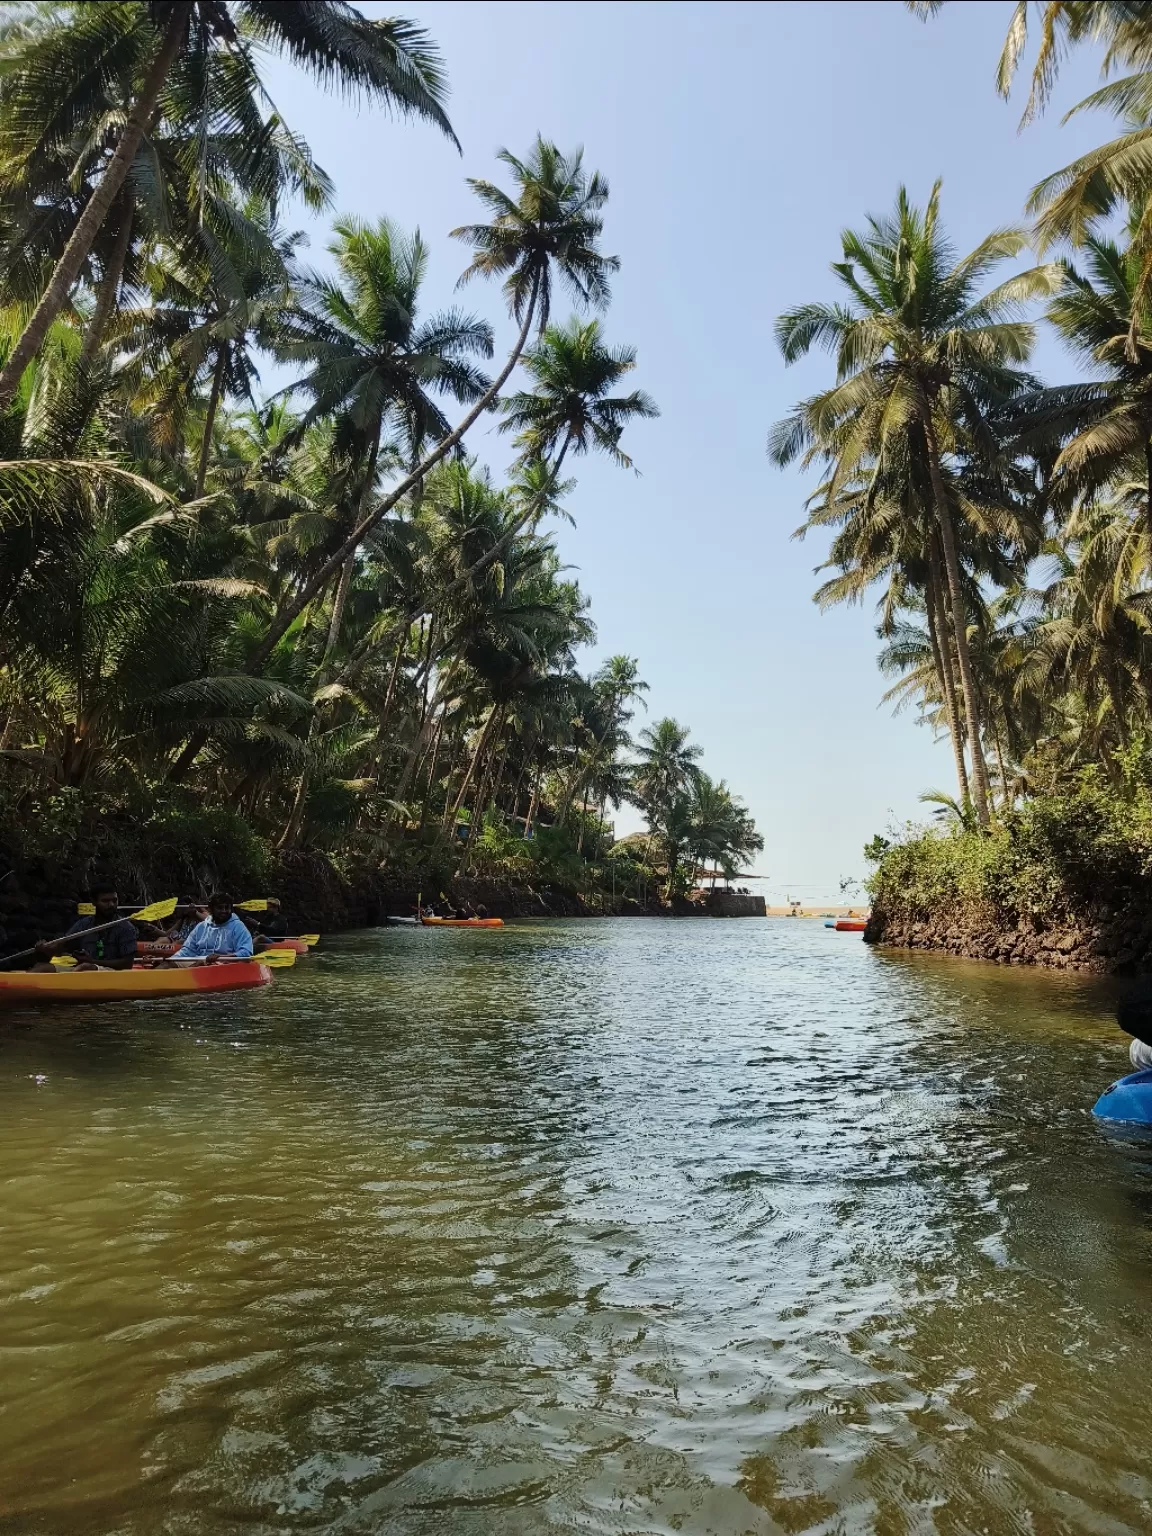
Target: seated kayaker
{"type": "Point", "coordinates": [187, 916]}
{"type": "Point", "coordinates": [1134, 1016]}
{"type": "Point", "coordinates": [273, 924]}
{"type": "Point", "coordinates": [221, 936]}
{"type": "Point", "coordinates": [268, 926]}
{"type": "Point", "coordinates": [112, 950]}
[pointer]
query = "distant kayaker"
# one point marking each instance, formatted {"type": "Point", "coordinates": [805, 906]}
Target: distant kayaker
{"type": "Point", "coordinates": [112, 950]}
{"type": "Point", "coordinates": [220, 935]}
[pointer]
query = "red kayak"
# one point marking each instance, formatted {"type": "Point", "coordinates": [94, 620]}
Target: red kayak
{"type": "Point", "coordinates": [851, 924]}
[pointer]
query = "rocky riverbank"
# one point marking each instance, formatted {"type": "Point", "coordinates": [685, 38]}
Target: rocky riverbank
{"type": "Point", "coordinates": [1109, 942]}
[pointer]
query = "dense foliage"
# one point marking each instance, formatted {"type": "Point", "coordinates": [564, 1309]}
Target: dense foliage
{"type": "Point", "coordinates": [1005, 523]}
{"type": "Point", "coordinates": [310, 620]}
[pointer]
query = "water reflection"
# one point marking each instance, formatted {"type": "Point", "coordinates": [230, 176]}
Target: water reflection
{"type": "Point", "coordinates": [624, 1226]}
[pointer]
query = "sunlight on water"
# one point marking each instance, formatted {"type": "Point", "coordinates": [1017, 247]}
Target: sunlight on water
{"type": "Point", "coordinates": [631, 1226]}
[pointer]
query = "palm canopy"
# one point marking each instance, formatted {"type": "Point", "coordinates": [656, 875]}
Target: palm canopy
{"type": "Point", "coordinates": [569, 406]}
{"type": "Point", "coordinates": [1101, 429]}
{"type": "Point", "coordinates": [367, 354]}
{"type": "Point", "coordinates": [916, 337]}
{"type": "Point", "coordinates": [666, 766]}
{"type": "Point", "coordinates": [549, 227]}
{"type": "Point", "coordinates": [923, 356]}
{"type": "Point", "coordinates": [196, 58]}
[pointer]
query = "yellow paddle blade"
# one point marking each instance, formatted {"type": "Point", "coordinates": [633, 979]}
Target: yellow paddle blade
{"type": "Point", "coordinates": [86, 909]}
{"type": "Point", "coordinates": [63, 962]}
{"type": "Point", "coordinates": [309, 939]}
{"type": "Point", "coordinates": [278, 962]}
{"type": "Point", "coordinates": [157, 910]}
{"type": "Point", "coordinates": [257, 904]}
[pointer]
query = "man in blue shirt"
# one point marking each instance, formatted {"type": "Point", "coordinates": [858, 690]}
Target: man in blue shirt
{"type": "Point", "coordinates": [220, 936]}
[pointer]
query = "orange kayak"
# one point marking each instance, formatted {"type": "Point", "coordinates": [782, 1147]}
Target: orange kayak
{"type": "Point", "coordinates": [158, 947]}
{"type": "Point", "coordinates": [18, 987]}
{"type": "Point", "coordinates": [850, 925]}
{"type": "Point", "coordinates": [462, 922]}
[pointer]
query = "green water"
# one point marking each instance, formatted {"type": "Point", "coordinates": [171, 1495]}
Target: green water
{"type": "Point", "coordinates": [629, 1226]}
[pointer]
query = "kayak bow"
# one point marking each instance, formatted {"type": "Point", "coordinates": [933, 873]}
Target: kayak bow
{"type": "Point", "coordinates": [1128, 1101]}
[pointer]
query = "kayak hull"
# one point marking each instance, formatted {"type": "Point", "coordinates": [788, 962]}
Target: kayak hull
{"type": "Point", "coordinates": [462, 922]}
{"type": "Point", "coordinates": [1128, 1101]}
{"type": "Point", "coordinates": [850, 925]}
{"type": "Point", "coordinates": [20, 987]}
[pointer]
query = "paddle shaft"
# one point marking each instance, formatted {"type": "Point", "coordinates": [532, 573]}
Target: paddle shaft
{"type": "Point", "coordinates": [64, 938]}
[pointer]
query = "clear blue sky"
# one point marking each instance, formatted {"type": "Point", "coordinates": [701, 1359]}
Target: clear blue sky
{"type": "Point", "coordinates": [738, 140]}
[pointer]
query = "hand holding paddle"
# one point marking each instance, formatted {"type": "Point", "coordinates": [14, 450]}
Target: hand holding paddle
{"type": "Point", "coordinates": [155, 913]}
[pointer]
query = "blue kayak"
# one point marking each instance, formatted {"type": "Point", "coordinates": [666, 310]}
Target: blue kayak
{"type": "Point", "coordinates": [829, 922]}
{"type": "Point", "coordinates": [1128, 1101]}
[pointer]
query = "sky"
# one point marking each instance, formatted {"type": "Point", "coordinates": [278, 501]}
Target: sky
{"type": "Point", "coordinates": [738, 140]}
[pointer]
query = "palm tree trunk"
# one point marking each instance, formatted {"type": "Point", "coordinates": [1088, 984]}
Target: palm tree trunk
{"type": "Point", "coordinates": [959, 623]}
{"type": "Point", "coordinates": [109, 290]}
{"type": "Point", "coordinates": [483, 789]}
{"type": "Point", "coordinates": [75, 253]}
{"type": "Point", "coordinates": [191, 751]}
{"type": "Point", "coordinates": [426, 802]}
{"type": "Point", "coordinates": [450, 814]}
{"type": "Point", "coordinates": [943, 659]}
{"type": "Point", "coordinates": [534, 802]}
{"type": "Point", "coordinates": [295, 823]}
{"type": "Point", "coordinates": [210, 421]}
{"type": "Point", "coordinates": [444, 447]}
{"type": "Point", "coordinates": [347, 567]}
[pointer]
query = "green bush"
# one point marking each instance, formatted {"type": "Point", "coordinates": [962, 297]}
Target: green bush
{"type": "Point", "coordinates": [1054, 857]}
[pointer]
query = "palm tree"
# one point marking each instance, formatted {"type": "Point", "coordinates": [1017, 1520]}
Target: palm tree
{"type": "Point", "coordinates": [569, 406]}
{"type": "Point", "coordinates": [922, 358]}
{"type": "Point", "coordinates": [550, 230]}
{"type": "Point", "coordinates": [390, 61]}
{"type": "Point", "coordinates": [205, 322]}
{"type": "Point", "coordinates": [1101, 431]}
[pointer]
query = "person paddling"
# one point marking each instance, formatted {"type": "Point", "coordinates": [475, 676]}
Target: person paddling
{"type": "Point", "coordinates": [112, 950]}
{"type": "Point", "coordinates": [221, 936]}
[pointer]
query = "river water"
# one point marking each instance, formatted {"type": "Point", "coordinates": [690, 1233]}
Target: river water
{"type": "Point", "coordinates": [618, 1226]}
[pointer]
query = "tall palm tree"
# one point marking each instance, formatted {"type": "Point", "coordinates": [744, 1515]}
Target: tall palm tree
{"type": "Point", "coordinates": [922, 357]}
{"type": "Point", "coordinates": [550, 230]}
{"type": "Point", "coordinates": [390, 61]}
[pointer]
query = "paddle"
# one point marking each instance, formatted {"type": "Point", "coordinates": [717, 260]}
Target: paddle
{"type": "Point", "coordinates": [256, 904]}
{"type": "Point", "coordinates": [157, 911]}
{"type": "Point", "coordinates": [277, 959]}
{"type": "Point", "coordinates": [309, 939]}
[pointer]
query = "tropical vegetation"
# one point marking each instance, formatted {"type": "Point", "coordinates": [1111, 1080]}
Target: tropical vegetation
{"type": "Point", "coordinates": [238, 622]}
{"type": "Point", "coordinates": [1003, 522]}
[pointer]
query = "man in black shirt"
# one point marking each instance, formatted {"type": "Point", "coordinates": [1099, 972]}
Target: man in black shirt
{"type": "Point", "coordinates": [112, 950]}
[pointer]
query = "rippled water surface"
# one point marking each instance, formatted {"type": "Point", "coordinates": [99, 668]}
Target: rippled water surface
{"type": "Point", "coordinates": [628, 1226]}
